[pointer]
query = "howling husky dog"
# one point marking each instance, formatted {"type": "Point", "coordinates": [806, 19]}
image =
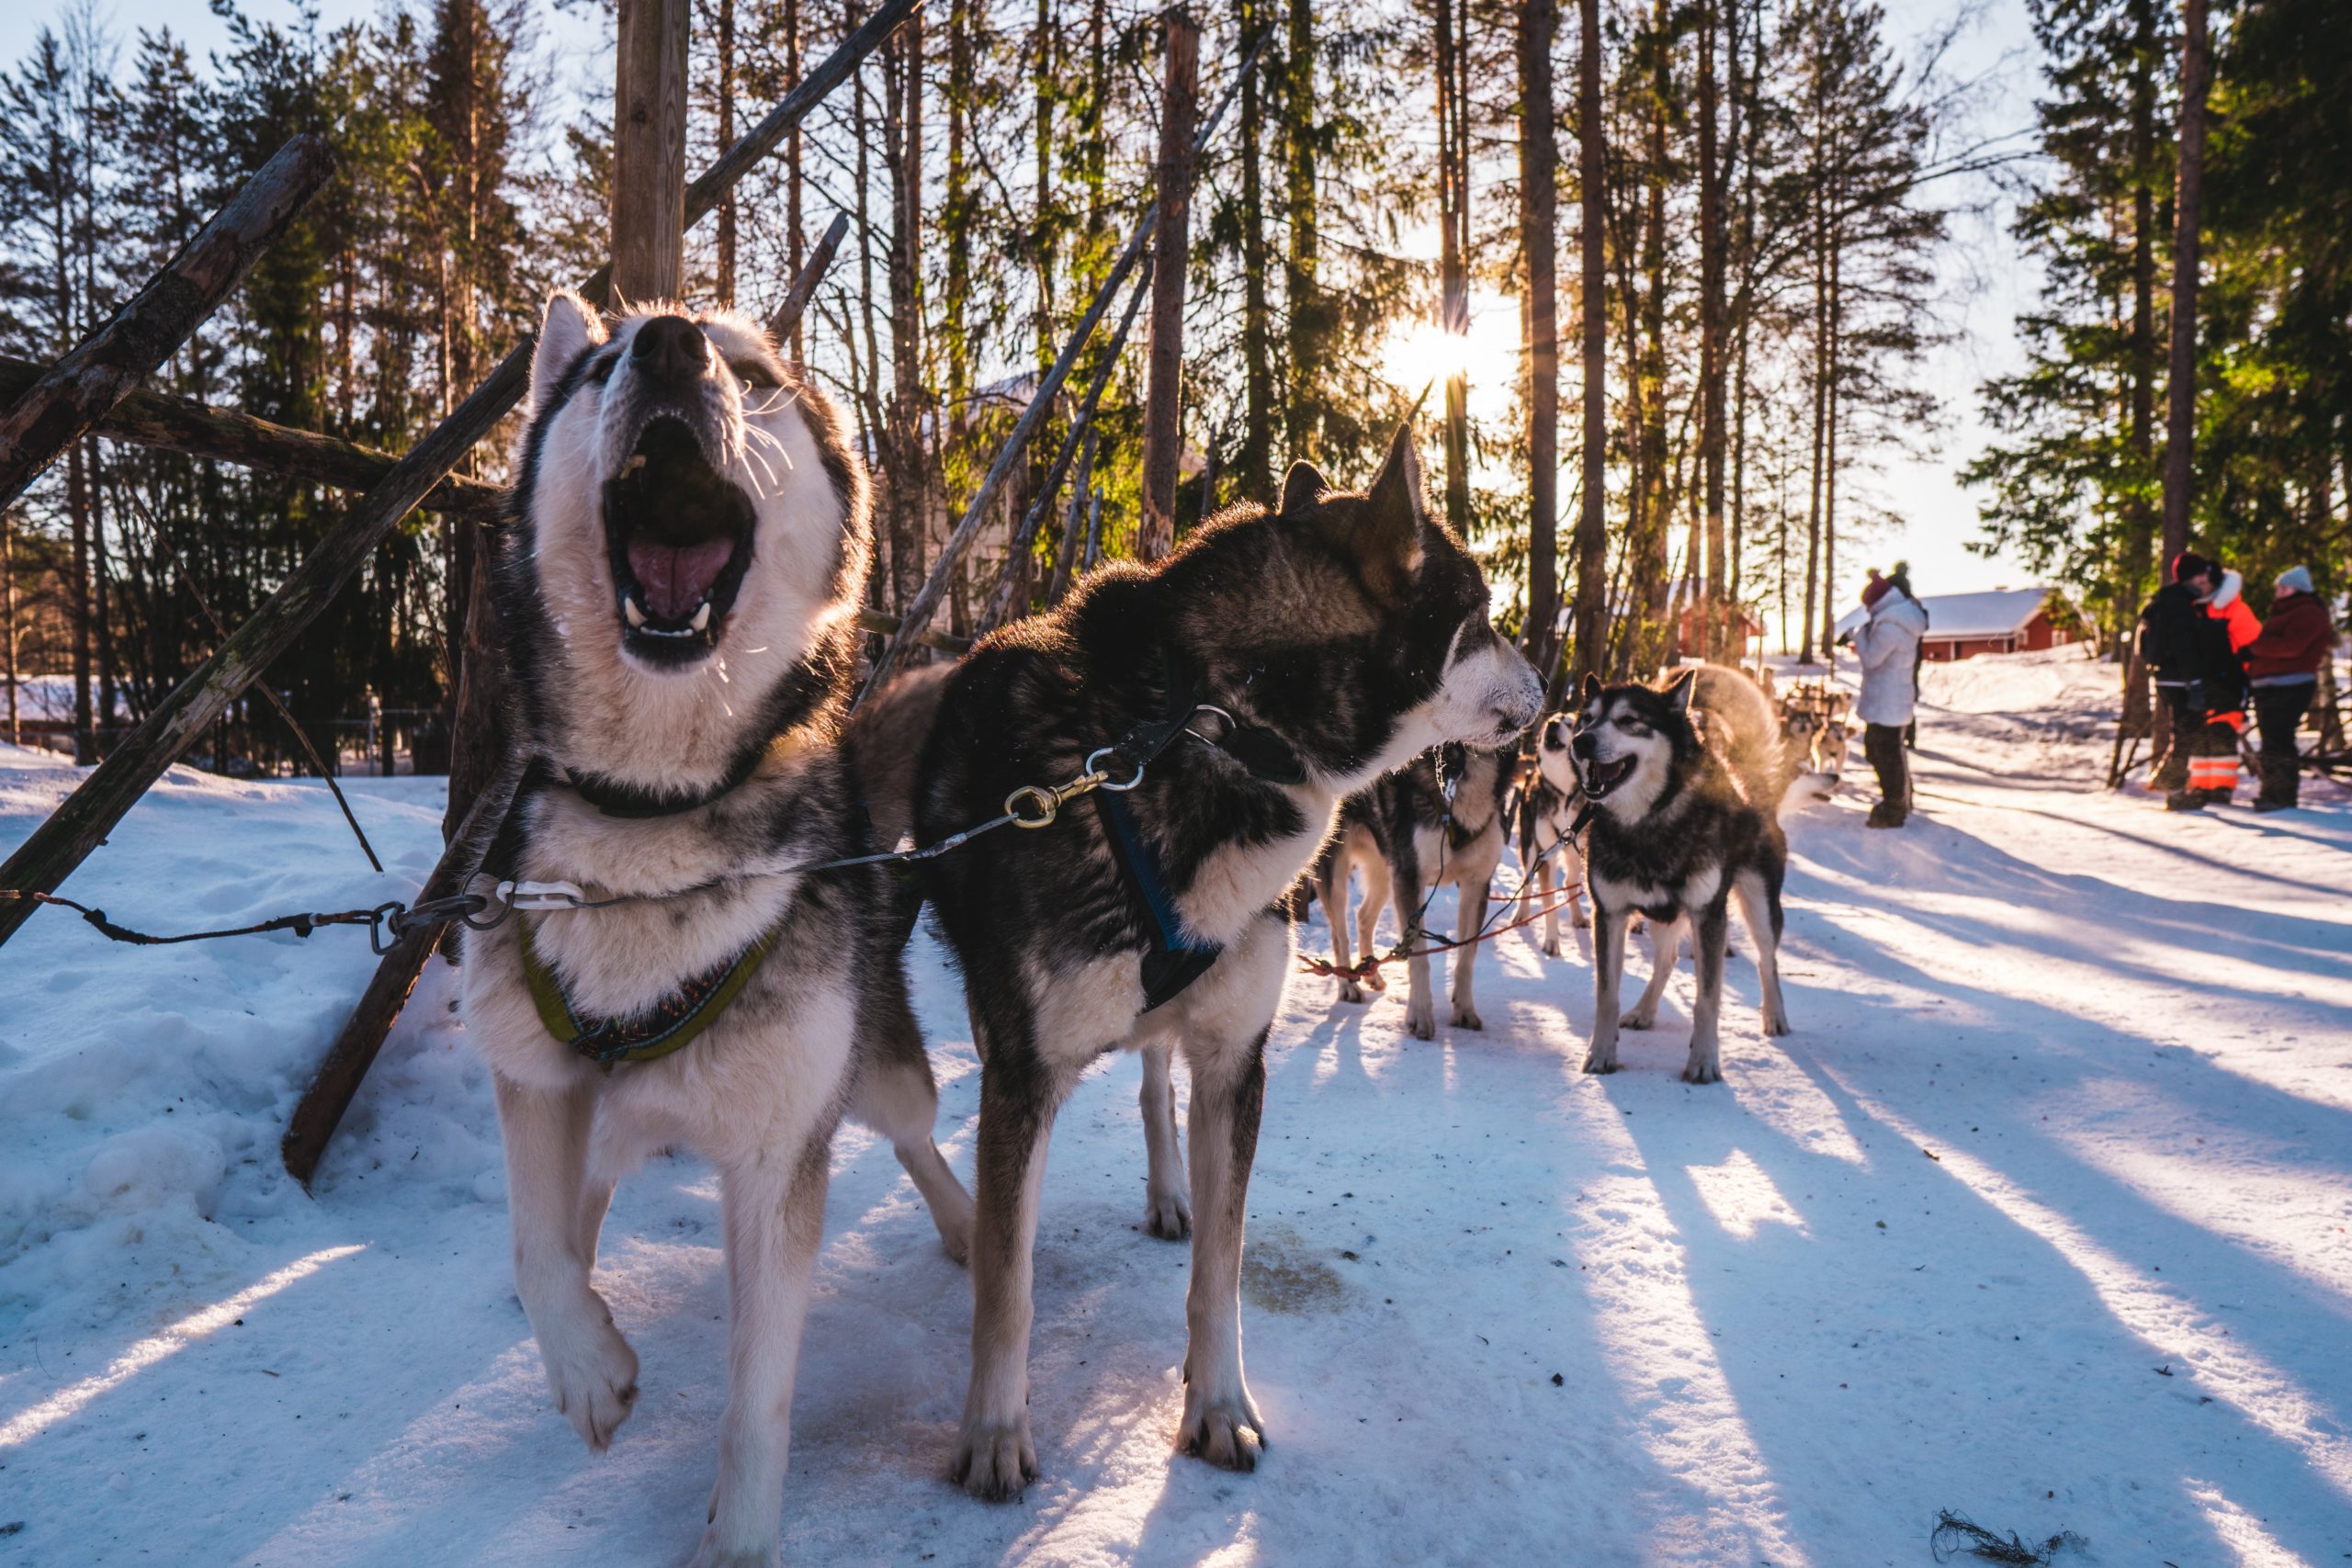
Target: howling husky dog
{"type": "Point", "coordinates": [1547, 811]}
{"type": "Point", "coordinates": [1310, 649]}
{"type": "Point", "coordinates": [1674, 835]}
{"type": "Point", "coordinates": [678, 593]}
{"type": "Point", "coordinates": [1410, 833]}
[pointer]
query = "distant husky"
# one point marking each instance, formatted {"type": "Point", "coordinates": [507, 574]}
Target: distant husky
{"type": "Point", "coordinates": [1308, 650]}
{"type": "Point", "coordinates": [1814, 720]}
{"type": "Point", "coordinates": [1412, 834]}
{"type": "Point", "coordinates": [1675, 834]}
{"type": "Point", "coordinates": [678, 590]}
{"type": "Point", "coordinates": [1547, 810]}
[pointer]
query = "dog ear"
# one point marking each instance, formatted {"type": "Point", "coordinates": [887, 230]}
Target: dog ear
{"type": "Point", "coordinates": [1302, 488]}
{"type": "Point", "coordinates": [1590, 689]}
{"type": "Point", "coordinates": [1388, 541]}
{"type": "Point", "coordinates": [568, 327]}
{"type": "Point", "coordinates": [1679, 690]}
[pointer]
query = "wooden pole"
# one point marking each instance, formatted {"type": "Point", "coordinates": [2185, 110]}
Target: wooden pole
{"type": "Point", "coordinates": [49, 854]}
{"type": "Point", "coordinates": [786, 320]}
{"type": "Point", "coordinates": [348, 1060]}
{"type": "Point", "coordinates": [2180, 422]}
{"type": "Point", "coordinates": [1539, 158]}
{"type": "Point", "coordinates": [919, 613]}
{"type": "Point", "coordinates": [76, 391]}
{"type": "Point", "coordinates": [1163, 437]}
{"type": "Point", "coordinates": [650, 151]}
{"type": "Point", "coordinates": [200, 430]}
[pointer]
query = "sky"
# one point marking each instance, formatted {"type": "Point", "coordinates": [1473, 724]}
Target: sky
{"type": "Point", "coordinates": [1985, 282]}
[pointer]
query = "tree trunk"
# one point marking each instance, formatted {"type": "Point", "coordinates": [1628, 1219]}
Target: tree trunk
{"type": "Point", "coordinates": [794, 229]}
{"type": "Point", "coordinates": [2180, 425]}
{"type": "Point", "coordinates": [1592, 521]}
{"type": "Point", "coordinates": [1162, 428]}
{"type": "Point", "coordinates": [1710, 603]}
{"type": "Point", "coordinates": [1253, 464]}
{"type": "Point", "coordinates": [650, 151]}
{"type": "Point", "coordinates": [726, 30]}
{"type": "Point", "coordinates": [1539, 157]}
{"type": "Point", "coordinates": [902, 140]}
{"type": "Point", "coordinates": [956, 215]}
{"type": "Point", "coordinates": [1454, 275]}
{"type": "Point", "coordinates": [1303, 321]}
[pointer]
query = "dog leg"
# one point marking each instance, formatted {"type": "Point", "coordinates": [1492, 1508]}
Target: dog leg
{"type": "Point", "coordinates": [1666, 952]}
{"type": "Point", "coordinates": [1375, 894]}
{"type": "Point", "coordinates": [1332, 890]}
{"type": "Point", "coordinates": [1710, 928]}
{"type": "Point", "coordinates": [1469, 920]}
{"type": "Point", "coordinates": [1420, 1002]}
{"type": "Point", "coordinates": [1168, 1211]}
{"type": "Point", "coordinates": [1608, 976]}
{"type": "Point", "coordinates": [1221, 1422]}
{"type": "Point", "coordinates": [898, 1099]}
{"type": "Point", "coordinates": [774, 1210]}
{"type": "Point", "coordinates": [1551, 910]}
{"type": "Point", "coordinates": [1756, 909]}
{"type": "Point", "coordinates": [591, 1369]}
{"type": "Point", "coordinates": [995, 1457]}
{"type": "Point", "coordinates": [1571, 876]}
{"type": "Point", "coordinates": [595, 1201]}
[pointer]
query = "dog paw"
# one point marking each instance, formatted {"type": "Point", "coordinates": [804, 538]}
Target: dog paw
{"type": "Point", "coordinates": [1228, 1433]}
{"type": "Point", "coordinates": [1467, 1017]}
{"type": "Point", "coordinates": [1777, 1023]}
{"type": "Point", "coordinates": [1168, 1215]}
{"type": "Point", "coordinates": [1640, 1018]}
{"type": "Point", "coordinates": [995, 1462]}
{"type": "Point", "coordinates": [1372, 982]}
{"type": "Point", "coordinates": [1702, 1070]}
{"type": "Point", "coordinates": [1350, 992]}
{"type": "Point", "coordinates": [592, 1374]}
{"type": "Point", "coordinates": [1420, 1021]}
{"type": "Point", "coordinates": [715, 1553]}
{"type": "Point", "coordinates": [1584, 921]}
{"type": "Point", "coordinates": [1598, 1061]}
{"type": "Point", "coordinates": [1551, 949]}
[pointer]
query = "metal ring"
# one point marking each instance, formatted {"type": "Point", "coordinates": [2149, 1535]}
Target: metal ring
{"type": "Point", "coordinates": [1094, 769]}
{"type": "Point", "coordinates": [1047, 806]}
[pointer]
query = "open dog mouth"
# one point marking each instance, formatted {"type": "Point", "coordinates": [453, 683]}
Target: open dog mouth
{"type": "Point", "coordinates": [1600, 777]}
{"type": "Point", "coordinates": [679, 535]}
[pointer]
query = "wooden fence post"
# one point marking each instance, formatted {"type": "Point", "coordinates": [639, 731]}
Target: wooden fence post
{"type": "Point", "coordinates": [1163, 434]}
{"type": "Point", "coordinates": [60, 408]}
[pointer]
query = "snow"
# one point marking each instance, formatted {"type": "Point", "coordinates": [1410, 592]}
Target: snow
{"type": "Point", "coordinates": [2040, 1216]}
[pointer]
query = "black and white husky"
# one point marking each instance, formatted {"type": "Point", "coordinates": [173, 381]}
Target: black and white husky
{"type": "Point", "coordinates": [678, 589]}
{"type": "Point", "coordinates": [1310, 649]}
{"type": "Point", "coordinates": [1675, 835]}
{"type": "Point", "coordinates": [1412, 834]}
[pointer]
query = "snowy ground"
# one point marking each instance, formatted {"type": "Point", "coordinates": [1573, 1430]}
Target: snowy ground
{"type": "Point", "coordinates": [2039, 1215]}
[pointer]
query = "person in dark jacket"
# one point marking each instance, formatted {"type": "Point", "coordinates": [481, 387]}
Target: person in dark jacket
{"type": "Point", "coordinates": [2282, 667]}
{"type": "Point", "coordinates": [2187, 640]}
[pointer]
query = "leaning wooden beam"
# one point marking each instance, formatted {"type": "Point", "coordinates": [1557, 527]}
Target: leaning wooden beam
{"type": "Point", "coordinates": [916, 618]}
{"type": "Point", "coordinates": [200, 430]}
{"type": "Point", "coordinates": [49, 856]}
{"type": "Point", "coordinates": [59, 408]}
{"type": "Point", "coordinates": [804, 287]}
{"type": "Point", "coordinates": [888, 625]}
{"type": "Point", "coordinates": [1082, 426]}
{"type": "Point", "coordinates": [354, 1051]}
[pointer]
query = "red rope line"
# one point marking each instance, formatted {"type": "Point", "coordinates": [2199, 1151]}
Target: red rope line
{"type": "Point", "coordinates": [1368, 968]}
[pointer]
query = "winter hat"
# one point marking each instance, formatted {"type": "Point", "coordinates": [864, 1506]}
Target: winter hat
{"type": "Point", "coordinates": [2188, 564]}
{"type": "Point", "coordinates": [2296, 578]}
{"type": "Point", "coordinates": [1875, 590]}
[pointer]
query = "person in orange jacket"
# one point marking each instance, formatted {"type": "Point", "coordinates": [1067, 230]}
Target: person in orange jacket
{"type": "Point", "coordinates": [2213, 759]}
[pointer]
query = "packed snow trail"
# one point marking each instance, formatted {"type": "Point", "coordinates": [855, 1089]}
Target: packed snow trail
{"type": "Point", "coordinates": [2039, 1215]}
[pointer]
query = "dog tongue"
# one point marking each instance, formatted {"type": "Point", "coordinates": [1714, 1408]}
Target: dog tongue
{"type": "Point", "coordinates": [676, 578]}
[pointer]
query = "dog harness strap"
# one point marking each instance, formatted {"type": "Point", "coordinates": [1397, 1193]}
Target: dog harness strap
{"type": "Point", "coordinates": [669, 1025]}
{"type": "Point", "coordinates": [1177, 958]}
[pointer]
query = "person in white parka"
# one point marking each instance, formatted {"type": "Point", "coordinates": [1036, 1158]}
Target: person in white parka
{"type": "Point", "coordinates": [1888, 645]}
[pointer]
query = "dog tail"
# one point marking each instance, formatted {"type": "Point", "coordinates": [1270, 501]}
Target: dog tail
{"type": "Point", "coordinates": [1752, 742]}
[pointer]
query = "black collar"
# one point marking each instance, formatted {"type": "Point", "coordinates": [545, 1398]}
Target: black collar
{"type": "Point", "coordinates": [616, 799]}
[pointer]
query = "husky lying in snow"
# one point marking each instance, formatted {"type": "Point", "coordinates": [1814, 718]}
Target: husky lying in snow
{"type": "Point", "coordinates": [1547, 810]}
{"type": "Point", "coordinates": [1676, 832]}
{"type": "Point", "coordinates": [1411, 834]}
{"type": "Point", "coordinates": [1308, 650]}
{"type": "Point", "coordinates": [678, 591]}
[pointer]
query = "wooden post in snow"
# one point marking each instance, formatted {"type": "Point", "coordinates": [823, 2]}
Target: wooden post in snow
{"type": "Point", "coordinates": [650, 151]}
{"type": "Point", "coordinates": [76, 391]}
{"type": "Point", "coordinates": [1163, 434]}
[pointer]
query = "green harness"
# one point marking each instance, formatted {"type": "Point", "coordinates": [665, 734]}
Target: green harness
{"type": "Point", "coordinates": [669, 1025]}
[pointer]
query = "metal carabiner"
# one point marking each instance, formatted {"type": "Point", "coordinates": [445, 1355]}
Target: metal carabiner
{"type": "Point", "coordinates": [1104, 781]}
{"type": "Point", "coordinates": [1047, 804]}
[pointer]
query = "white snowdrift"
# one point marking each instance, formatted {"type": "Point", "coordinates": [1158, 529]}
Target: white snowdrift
{"type": "Point", "coordinates": [2040, 1214]}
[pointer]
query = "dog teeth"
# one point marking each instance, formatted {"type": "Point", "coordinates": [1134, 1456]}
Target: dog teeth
{"type": "Point", "coordinates": [702, 618]}
{"type": "Point", "coordinates": [636, 461]}
{"type": "Point", "coordinates": [629, 608]}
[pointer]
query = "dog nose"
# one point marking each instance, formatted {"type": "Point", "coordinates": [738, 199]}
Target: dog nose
{"type": "Point", "coordinates": [1552, 741]}
{"type": "Point", "coordinates": [1584, 747]}
{"type": "Point", "coordinates": [671, 349]}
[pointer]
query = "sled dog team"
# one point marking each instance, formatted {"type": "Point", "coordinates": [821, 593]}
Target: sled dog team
{"type": "Point", "coordinates": [678, 595]}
